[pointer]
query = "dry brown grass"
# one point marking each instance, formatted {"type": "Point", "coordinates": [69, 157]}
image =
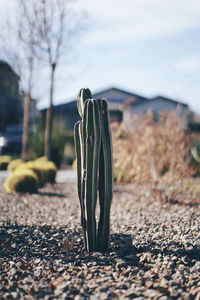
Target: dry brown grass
{"type": "Point", "coordinates": [149, 151]}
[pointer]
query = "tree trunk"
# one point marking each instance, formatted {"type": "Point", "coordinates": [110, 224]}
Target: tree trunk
{"type": "Point", "coordinates": [49, 117]}
{"type": "Point", "coordinates": [24, 153]}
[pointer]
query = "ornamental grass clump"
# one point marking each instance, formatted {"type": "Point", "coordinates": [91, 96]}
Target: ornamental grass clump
{"type": "Point", "coordinates": [13, 164]}
{"type": "Point", "coordinates": [41, 159]}
{"type": "Point", "coordinates": [147, 151]}
{"type": "Point", "coordinates": [22, 180]}
{"type": "Point", "coordinates": [49, 169]}
{"type": "Point", "coordinates": [27, 177]}
{"type": "Point", "coordinates": [94, 169]}
{"type": "Point", "coordinates": [31, 165]}
{"type": "Point", "coordinates": [4, 161]}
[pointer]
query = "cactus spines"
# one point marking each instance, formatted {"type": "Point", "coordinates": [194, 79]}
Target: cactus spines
{"type": "Point", "coordinates": [94, 169]}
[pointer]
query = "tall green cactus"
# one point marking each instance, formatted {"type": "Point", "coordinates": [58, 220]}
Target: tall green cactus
{"type": "Point", "coordinates": [94, 169]}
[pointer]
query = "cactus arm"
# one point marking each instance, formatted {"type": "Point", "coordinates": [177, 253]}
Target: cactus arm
{"type": "Point", "coordinates": [92, 150]}
{"type": "Point", "coordinates": [105, 178]}
{"type": "Point", "coordinates": [101, 200]}
{"type": "Point", "coordinates": [84, 170]}
{"type": "Point", "coordinates": [97, 146]}
{"type": "Point", "coordinates": [89, 146]}
{"type": "Point", "coordinates": [83, 95]}
{"type": "Point", "coordinates": [84, 137]}
{"type": "Point", "coordinates": [96, 157]}
{"type": "Point", "coordinates": [79, 157]}
{"type": "Point", "coordinates": [77, 139]}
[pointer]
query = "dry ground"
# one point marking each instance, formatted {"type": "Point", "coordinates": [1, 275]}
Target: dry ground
{"type": "Point", "coordinates": [154, 246]}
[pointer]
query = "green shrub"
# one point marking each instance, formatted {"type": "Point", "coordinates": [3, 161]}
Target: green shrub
{"type": "Point", "coordinates": [21, 180]}
{"type": "Point", "coordinates": [49, 169]}
{"type": "Point", "coordinates": [40, 173]}
{"type": "Point", "coordinates": [4, 161]}
{"type": "Point", "coordinates": [41, 159]}
{"type": "Point", "coordinates": [119, 174]}
{"type": "Point", "coordinates": [74, 165]}
{"type": "Point", "coordinates": [69, 153]}
{"type": "Point", "coordinates": [60, 138]}
{"type": "Point", "coordinates": [13, 164]}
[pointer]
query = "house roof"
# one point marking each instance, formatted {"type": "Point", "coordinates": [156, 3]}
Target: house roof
{"type": "Point", "coordinates": [69, 106]}
{"type": "Point", "coordinates": [111, 94]}
{"type": "Point", "coordinates": [168, 99]}
{"type": "Point", "coordinates": [116, 95]}
{"type": "Point", "coordinates": [151, 100]}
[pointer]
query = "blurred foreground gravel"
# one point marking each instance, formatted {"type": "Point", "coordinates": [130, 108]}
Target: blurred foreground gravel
{"type": "Point", "coordinates": [154, 247]}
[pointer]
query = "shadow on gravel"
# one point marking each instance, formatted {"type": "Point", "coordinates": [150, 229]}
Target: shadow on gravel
{"type": "Point", "coordinates": [190, 204]}
{"type": "Point", "coordinates": [30, 242]}
{"type": "Point", "coordinates": [189, 255]}
{"type": "Point", "coordinates": [49, 194]}
{"type": "Point", "coordinates": [123, 246]}
{"type": "Point", "coordinates": [25, 243]}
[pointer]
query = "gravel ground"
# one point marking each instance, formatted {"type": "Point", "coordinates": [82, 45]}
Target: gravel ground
{"type": "Point", "coordinates": [154, 247]}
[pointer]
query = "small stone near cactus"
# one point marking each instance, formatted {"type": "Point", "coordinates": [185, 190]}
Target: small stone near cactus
{"type": "Point", "coordinates": [68, 245]}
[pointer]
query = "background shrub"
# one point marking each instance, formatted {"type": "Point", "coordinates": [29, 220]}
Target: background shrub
{"type": "Point", "coordinates": [13, 164]}
{"type": "Point", "coordinates": [31, 165]}
{"type": "Point", "coordinates": [149, 150]}
{"type": "Point", "coordinates": [49, 168]}
{"type": "Point", "coordinates": [62, 143]}
{"type": "Point", "coordinates": [22, 180]}
{"type": "Point", "coordinates": [4, 161]}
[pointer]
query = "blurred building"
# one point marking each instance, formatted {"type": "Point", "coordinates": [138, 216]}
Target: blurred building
{"type": "Point", "coordinates": [12, 99]}
{"type": "Point", "coordinates": [122, 105]}
{"type": "Point", "coordinates": [11, 105]}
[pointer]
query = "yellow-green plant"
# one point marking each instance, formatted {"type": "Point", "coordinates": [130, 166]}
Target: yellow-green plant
{"type": "Point", "coordinates": [195, 154]}
{"type": "Point", "coordinates": [21, 180]}
{"type": "Point", "coordinates": [13, 164]}
{"type": "Point", "coordinates": [49, 169]}
{"type": "Point", "coordinates": [41, 159]}
{"type": "Point", "coordinates": [4, 161]}
{"type": "Point", "coordinates": [36, 169]}
{"type": "Point", "coordinates": [74, 165]}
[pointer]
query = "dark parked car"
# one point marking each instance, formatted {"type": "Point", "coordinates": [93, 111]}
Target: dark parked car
{"type": "Point", "coordinates": [11, 139]}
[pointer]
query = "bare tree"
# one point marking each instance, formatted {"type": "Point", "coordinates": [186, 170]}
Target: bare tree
{"type": "Point", "coordinates": [45, 29]}
{"type": "Point", "coordinates": [26, 36]}
{"type": "Point", "coordinates": [19, 50]}
{"type": "Point", "coordinates": [55, 24]}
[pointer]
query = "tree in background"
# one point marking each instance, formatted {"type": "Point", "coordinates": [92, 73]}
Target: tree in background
{"type": "Point", "coordinates": [19, 50]}
{"type": "Point", "coordinates": [55, 24]}
{"type": "Point", "coordinates": [61, 139]}
{"type": "Point", "coordinates": [41, 31]}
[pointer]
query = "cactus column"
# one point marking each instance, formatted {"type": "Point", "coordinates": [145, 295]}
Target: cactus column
{"type": "Point", "coordinates": [94, 169]}
{"type": "Point", "coordinates": [105, 178]}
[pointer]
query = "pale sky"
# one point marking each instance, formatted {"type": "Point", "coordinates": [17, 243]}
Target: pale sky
{"type": "Point", "coordinates": [149, 47]}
